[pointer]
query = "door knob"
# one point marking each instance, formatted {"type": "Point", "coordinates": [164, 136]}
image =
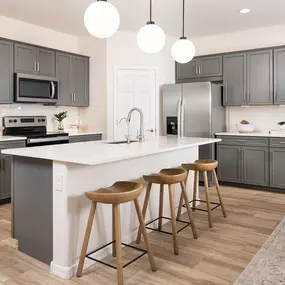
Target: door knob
{"type": "Point", "coordinates": [151, 130]}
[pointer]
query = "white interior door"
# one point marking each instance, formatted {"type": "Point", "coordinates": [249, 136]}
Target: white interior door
{"type": "Point", "coordinates": [135, 88]}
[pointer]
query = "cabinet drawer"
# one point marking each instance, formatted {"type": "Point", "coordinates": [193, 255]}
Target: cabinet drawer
{"type": "Point", "coordinates": [241, 140]}
{"type": "Point", "coordinates": [277, 142]}
{"type": "Point", "coordinates": [12, 144]}
{"type": "Point", "coordinates": [85, 138]}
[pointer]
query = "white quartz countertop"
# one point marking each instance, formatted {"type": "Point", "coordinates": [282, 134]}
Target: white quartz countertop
{"type": "Point", "coordinates": [84, 134]}
{"type": "Point", "coordinates": [10, 138]}
{"type": "Point", "coordinates": [100, 152]}
{"type": "Point", "coordinates": [273, 134]}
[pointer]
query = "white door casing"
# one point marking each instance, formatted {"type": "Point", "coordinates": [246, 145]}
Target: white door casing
{"type": "Point", "coordinates": [135, 88]}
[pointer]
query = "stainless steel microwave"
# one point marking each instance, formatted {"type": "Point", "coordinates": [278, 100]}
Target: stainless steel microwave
{"type": "Point", "coordinates": [31, 88]}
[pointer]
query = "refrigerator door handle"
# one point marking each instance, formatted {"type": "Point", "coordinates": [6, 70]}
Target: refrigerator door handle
{"type": "Point", "coordinates": [179, 117]}
{"type": "Point", "coordinates": [182, 117]}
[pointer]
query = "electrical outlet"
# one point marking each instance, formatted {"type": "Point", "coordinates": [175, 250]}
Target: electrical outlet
{"type": "Point", "coordinates": [58, 182]}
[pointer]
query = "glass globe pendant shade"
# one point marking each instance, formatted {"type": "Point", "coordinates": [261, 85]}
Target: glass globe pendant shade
{"type": "Point", "coordinates": [151, 38]}
{"type": "Point", "coordinates": [183, 50]}
{"type": "Point", "coordinates": [101, 19]}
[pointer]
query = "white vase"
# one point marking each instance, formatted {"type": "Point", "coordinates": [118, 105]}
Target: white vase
{"type": "Point", "coordinates": [282, 127]}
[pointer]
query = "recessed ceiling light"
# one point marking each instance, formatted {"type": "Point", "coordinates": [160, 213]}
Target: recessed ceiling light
{"type": "Point", "coordinates": [244, 11]}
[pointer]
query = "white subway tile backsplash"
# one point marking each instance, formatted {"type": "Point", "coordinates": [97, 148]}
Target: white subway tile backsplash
{"type": "Point", "coordinates": [264, 118]}
{"type": "Point", "coordinates": [40, 110]}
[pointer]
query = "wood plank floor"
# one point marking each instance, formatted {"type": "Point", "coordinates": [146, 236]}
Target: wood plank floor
{"type": "Point", "coordinates": [217, 257]}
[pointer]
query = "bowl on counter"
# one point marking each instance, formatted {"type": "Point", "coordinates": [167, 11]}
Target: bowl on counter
{"type": "Point", "coordinates": [245, 128]}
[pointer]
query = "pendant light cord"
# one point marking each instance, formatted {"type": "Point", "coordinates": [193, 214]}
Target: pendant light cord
{"type": "Point", "coordinates": [150, 10]}
{"type": "Point", "coordinates": [183, 21]}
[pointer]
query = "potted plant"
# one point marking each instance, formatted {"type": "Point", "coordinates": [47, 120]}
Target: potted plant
{"type": "Point", "coordinates": [282, 125]}
{"type": "Point", "coordinates": [59, 118]}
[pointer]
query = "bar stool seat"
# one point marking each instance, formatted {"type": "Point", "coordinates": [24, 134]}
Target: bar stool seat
{"type": "Point", "coordinates": [168, 177]}
{"type": "Point", "coordinates": [118, 193]}
{"type": "Point", "coordinates": [204, 166]}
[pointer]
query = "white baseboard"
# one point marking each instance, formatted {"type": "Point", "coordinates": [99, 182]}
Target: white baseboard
{"type": "Point", "coordinates": [69, 272]}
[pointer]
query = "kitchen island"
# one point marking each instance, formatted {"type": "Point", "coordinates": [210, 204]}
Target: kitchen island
{"type": "Point", "coordinates": [49, 206]}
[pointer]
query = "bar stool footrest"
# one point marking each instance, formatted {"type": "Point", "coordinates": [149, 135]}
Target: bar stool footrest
{"type": "Point", "coordinates": [110, 265]}
{"type": "Point", "coordinates": [203, 201]}
{"type": "Point", "coordinates": [164, 232]}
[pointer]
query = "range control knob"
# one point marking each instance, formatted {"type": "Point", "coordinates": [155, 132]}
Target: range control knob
{"type": "Point", "coordinates": [10, 121]}
{"type": "Point", "coordinates": [15, 121]}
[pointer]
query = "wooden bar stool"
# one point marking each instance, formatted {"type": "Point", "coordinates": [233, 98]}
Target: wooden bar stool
{"type": "Point", "coordinates": [203, 165]}
{"type": "Point", "coordinates": [120, 192]}
{"type": "Point", "coordinates": [170, 177]}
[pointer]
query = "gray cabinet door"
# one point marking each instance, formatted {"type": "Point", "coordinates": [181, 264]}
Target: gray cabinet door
{"type": "Point", "coordinates": [6, 176]}
{"type": "Point", "coordinates": [186, 71]}
{"type": "Point", "coordinates": [277, 158]}
{"type": "Point", "coordinates": [229, 169]}
{"type": "Point", "coordinates": [210, 66]}
{"type": "Point", "coordinates": [6, 72]}
{"type": "Point", "coordinates": [46, 60]}
{"type": "Point", "coordinates": [80, 81]}
{"type": "Point", "coordinates": [63, 73]}
{"type": "Point", "coordinates": [255, 165]}
{"type": "Point", "coordinates": [279, 76]}
{"type": "Point", "coordinates": [25, 58]}
{"type": "Point", "coordinates": [234, 79]}
{"type": "Point", "coordinates": [260, 77]}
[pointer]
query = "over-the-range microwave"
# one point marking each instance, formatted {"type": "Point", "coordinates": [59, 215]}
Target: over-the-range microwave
{"type": "Point", "coordinates": [31, 88]}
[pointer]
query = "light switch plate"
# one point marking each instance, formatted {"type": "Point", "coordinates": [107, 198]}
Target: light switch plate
{"type": "Point", "coordinates": [58, 182]}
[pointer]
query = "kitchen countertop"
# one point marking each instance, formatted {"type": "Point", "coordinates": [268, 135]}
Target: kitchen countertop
{"type": "Point", "coordinates": [13, 138]}
{"type": "Point", "coordinates": [100, 152]}
{"type": "Point", "coordinates": [275, 134]}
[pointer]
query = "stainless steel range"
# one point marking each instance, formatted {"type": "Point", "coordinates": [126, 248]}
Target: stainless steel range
{"type": "Point", "coordinates": [34, 128]}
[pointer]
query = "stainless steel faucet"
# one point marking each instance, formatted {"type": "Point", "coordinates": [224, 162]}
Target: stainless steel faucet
{"type": "Point", "coordinates": [140, 136]}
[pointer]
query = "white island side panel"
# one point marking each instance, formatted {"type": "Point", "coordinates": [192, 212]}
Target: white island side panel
{"type": "Point", "coordinates": [71, 207]}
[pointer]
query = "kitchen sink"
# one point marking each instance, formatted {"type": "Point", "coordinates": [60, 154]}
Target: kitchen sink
{"type": "Point", "coordinates": [120, 142]}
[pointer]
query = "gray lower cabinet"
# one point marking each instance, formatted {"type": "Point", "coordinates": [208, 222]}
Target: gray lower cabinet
{"type": "Point", "coordinates": [255, 166]}
{"type": "Point", "coordinates": [5, 168]}
{"type": "Point", "coordinates": [279, 75]}
{"type": "Point", "coordinates": [34, 60]}
{"type": "Point", "coordinates": [277, 159]}
{"type": "Point", "coordinates": [244, 160]}
{"type": "Point", "coordinates": [6, 72]}
{"type": "Point", "coordinates": [234, 79]}
{"type": "Point", "coordinates": [73, 75]}
{"type": "Point", "coordinates": [230, 167]}
{"type": "Point", "coordinates": [260, 77]}
{"type": "Point", "coordinates": [85, 138]}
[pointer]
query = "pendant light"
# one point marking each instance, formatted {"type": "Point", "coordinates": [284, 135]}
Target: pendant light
{"type": "Point", "coordinates": [101, 19]}
{"type": "Point", "coordinates": [183, 50]}
{"type": "Point", "coordinates": [151, 37]}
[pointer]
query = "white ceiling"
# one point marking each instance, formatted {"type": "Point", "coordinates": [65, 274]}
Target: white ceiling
{"type": "Point", "coordinates": [203, 17]}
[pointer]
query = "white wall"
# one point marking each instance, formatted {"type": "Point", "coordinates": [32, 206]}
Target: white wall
{"type": "Point", "coordinates": [264, 118]}
{"type": "Point", "coordinates": [96, 115]}
{"type": "Point", "coordinates": [122, 51]}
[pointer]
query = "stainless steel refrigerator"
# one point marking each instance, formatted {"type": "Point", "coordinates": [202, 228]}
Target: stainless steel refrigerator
{"type": "Point", "coordinates": [194, 110]}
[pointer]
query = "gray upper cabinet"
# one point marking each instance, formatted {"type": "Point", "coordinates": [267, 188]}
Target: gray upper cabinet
{"type": "Point", "coordinates": [255, 165]}
{"type": "Point", "coordinates": [210, 66]}
{"type": "Point", "coordinates": [34, 60]}
{"type": "Point", "coordinates": [46, 62]}
{"type": "Point", "coordinates": [234, 79]}
{"type": "Point", "coordinates": [229, 168]}
{"type": "Point", "coordinates": [186, 71]}
{"type": "Point", "coordinates": [279, 76]}
{"type": "Point", "coordinates": [260, 77]}
{"type": "Point", "coordinates": [80, 81]}
{"type": "Point", "coordinates": [6, 72]}
{"type": "Point", "coordinates": [73, 75]}
{"type": "Point", "coordinates": [200, 68]}
{"type": "Point", "coordinates": [63, 73]}
{"type": "Point", "coordinates": [25, 59]}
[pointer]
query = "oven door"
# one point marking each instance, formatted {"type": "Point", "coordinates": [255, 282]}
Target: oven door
{"type": "Point", "coordinates": [36, 89]}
